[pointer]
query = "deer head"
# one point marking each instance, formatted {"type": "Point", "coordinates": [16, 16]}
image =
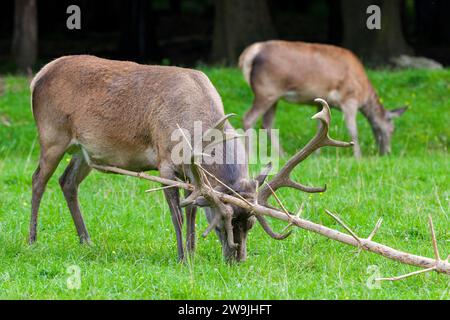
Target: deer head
{"type": "Point", "coordinates": [231, 222]}
{"type": "Point", "coordinates": [383, 128]}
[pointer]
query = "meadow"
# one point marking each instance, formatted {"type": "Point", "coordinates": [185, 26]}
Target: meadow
{"type": "Point", "coordinates": [133, 255]}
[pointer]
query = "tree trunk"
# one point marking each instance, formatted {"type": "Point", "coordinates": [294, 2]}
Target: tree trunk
{"type": "Point", "coordinates": [25, 35]}
{"type": "Point", "coordinates": [334, 22]}
{"type": "Point", "coordinates": [433, 29]}
{"type": "Point", "coordinates": [238, 24]}
{"type": "Point", "coordinates": [138, 39]}
{"type": "Point", "coordinates": [378, 45]}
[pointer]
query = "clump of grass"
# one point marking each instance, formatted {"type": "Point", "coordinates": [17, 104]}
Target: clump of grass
{"type": "Point", "coordinates": [134, 251]}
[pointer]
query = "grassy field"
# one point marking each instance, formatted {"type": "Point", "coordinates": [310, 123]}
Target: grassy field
{"type": "Point", "coordinates": [134, 250]}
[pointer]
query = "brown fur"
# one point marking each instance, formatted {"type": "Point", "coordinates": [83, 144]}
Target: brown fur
{"type": "Point", "coordinates": [117, 110]}
{"type": "Point", "coordinates": [120, 114]}
{"type": "Point", "coordinates": [300, 72]}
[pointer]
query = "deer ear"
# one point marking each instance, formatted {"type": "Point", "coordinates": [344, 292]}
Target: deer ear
{"type": "Point", "coordinates": [263, 174]}
{"type": "Point", "coordinates": [396, 112]}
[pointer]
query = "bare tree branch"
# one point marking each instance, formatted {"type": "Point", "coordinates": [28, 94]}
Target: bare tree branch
{"type": "Point", "coordinates": [321, 139]}
{"type": "Point", "coordinates": [433, 238]}
{"type": "Point", "coordinates": [338, 220]}
{"type": "Point", "coordinates": [406, 275]}
{"type": "Point", "coordinates": [375, 230]}
{"type": "Point", "coordinates": [259, 210]}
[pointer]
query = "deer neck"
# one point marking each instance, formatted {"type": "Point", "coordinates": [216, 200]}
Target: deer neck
{"type": "Point", "coordinates": [231, 167]}
{"type": "Point", "coordinates": [374, 110]}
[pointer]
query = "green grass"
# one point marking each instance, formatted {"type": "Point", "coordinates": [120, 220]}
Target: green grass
{"type": "Point", "coordinates": [134, 251]}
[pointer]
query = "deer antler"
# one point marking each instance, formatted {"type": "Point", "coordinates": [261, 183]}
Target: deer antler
{"type": "Point", "coordinates": [225, 212]}
{"type": "Point", "coordinates": [223, 201]}
{"type": "Point", "coordinates": [282, 178]}
{"type": "Point", "coordinates": [202, 189]}
{"type": "Point", "coordinates": [321, 139]}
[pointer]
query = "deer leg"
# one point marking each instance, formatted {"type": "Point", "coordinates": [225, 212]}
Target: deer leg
{"type": "Point", "coordinates": [191, 212]}
{"type": "Point", "coordinates": [268, 119]}
{"type": "Point", "coordinates": [260, 106]}
{"type": "Point", "coordinates": [74, 174]}
{"type": "Point", "coordinates": [350, 110]}
{"type": "Point", "coordinates": [173, 200]}
{"type": "Point", "coordinates": [48, 162]}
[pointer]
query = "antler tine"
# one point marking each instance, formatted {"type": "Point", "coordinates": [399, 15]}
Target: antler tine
{"type": "Point", "coordinates": [224, 211]}
{"type": "Point", "coordinates": [433, 238]}
{"type": "Point", "coordinates": [202, 190]}
{"type": "Point", "coordinates": [190, 199]}
{"type": "Point", "coordinates": [263, 174]}
{"type": "Point", "coordinates": [295, 185]}
{"type": "Point", "coordinates": [321, 139]}
{"type": "Point", "coordinates": [265, 225]}
{"type": "Point", "coordinates": [212, 225]}
{"type": "Point", "coordinates": [198, 182]}
{"type": "Point", "coordinates": [219, 125]}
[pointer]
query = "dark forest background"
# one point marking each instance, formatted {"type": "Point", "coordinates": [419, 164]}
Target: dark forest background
{"type": "Point", "coordinates": [189, 32]}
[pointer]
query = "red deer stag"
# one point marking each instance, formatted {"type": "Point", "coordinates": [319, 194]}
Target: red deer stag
{"type": "Point", "coordinates": [299, 72]}
{"type": "Point", "coordinates": [122, 114]}
{"type": "Point", "coordinates": [201, 191]}
{"type": "Point", "coordinates": [112, 114]}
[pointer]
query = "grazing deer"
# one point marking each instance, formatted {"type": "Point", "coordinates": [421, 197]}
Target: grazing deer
{"type": "Point", "coordinates": [122, 114]}
{"type": "Point", "coordinates": [299, 72]}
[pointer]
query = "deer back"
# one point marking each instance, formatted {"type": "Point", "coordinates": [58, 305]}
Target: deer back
{"type": "Point", "coordinates": [121, 113]}
{"type": "Point", "coordinates": [301, 72]}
